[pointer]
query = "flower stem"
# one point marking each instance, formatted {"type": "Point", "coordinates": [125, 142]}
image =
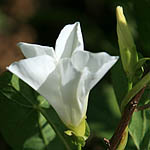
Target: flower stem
{"type": "Point", "coordinates": [79, 147]}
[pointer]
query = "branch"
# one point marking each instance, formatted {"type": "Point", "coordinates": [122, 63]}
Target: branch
{"type": "Point", "coordinates": [146, 106]}
{"type": "Point", "coordinates": [126, 117]}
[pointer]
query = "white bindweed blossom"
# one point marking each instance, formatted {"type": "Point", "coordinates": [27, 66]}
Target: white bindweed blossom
{"type": "Point", "coordinates": [64, 76]}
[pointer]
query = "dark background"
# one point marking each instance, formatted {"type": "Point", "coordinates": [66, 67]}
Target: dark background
{"type": "Point", "coordinates": [40, 21]}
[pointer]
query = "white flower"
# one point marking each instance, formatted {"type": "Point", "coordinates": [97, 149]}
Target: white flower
{"type": "Point", "coordinates": [64, 76]}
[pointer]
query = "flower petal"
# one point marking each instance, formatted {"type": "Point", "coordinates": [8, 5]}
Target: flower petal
{"type": "Point", "coordinates": [33, 50]}
{"type": "Point", "coordinates": [69, 40]}
{"type": "Point", "coordinates": [93, 67]}
{"type": "Point", "coordinates": [60, 89]}
{"type": "Point", "coordinates": [33, 71]}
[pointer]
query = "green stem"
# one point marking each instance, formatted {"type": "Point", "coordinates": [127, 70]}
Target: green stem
{"type": "Point", "coordinates": [143, 82]}
{"type": "Point", "coordinates": [129, 86]}
{"type": "Point", "coordinates": [79, 147]}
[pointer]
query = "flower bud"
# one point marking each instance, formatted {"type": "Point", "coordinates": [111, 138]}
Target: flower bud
{"type": "Point", "coordinates": [126, 44]}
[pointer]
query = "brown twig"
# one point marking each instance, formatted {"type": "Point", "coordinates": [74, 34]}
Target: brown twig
{"type": "Point", "coordinates": [107, 142]}
{"type": "Point", "coordinates": [146, 106]}
{"type": "Point", "coordinates": [126, 117]}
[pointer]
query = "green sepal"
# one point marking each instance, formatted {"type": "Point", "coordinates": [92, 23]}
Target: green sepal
{"type": "Point", "coordinates": [79, 139]}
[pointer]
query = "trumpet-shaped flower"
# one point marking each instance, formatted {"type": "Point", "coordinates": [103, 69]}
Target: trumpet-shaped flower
{"type": "Point", "coordinates": [64, 76]}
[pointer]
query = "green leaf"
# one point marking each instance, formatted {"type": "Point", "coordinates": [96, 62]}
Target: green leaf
{"type": "Point", "coordinates": [139, 125]}
{"type": "Point", "coordinates": [141, 62]}
{"type": "Point", "coordinates": [103, 102]}
{"type": "Point", "coordinates": [120, 82]}
{"type": "Point", "coordinates": [139, 128]}
{"type": "Point", "coordinates": [27, 121]}
{"type": "Point", "coordinates": [139, 68]}
{"type": "Point", "coordinates": [136, 88]}
{"type": "Point", "coordinates": [145, 143]}
{"type": "Point", "coordinates": [145, 99]}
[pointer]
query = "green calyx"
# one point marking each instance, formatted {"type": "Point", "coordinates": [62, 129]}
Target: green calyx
{"type": "Point", "coordinates": [79, 133]}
